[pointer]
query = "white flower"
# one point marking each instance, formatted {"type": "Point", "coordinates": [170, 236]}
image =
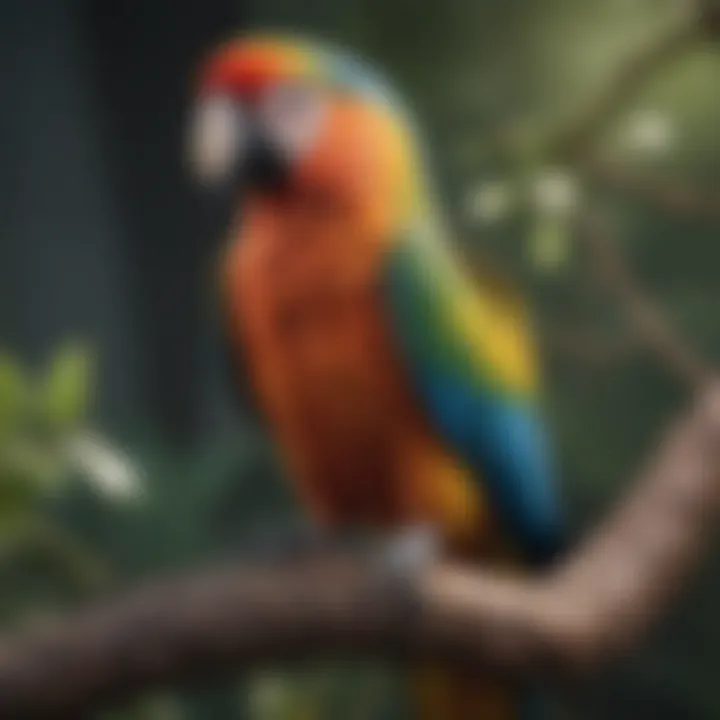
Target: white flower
{"type": "Point", "coordinates": [556, 192]}
{"type": "Point", "coordinates": [490, 202]}
{"type": "Point", "coordinates": [108, 469]}
{"type": "Point", "coordinates": [649, 131]}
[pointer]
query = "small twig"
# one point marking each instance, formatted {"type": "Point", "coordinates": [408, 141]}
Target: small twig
{"type": "Point", "coordinates": [669, 194]}
{"type": "Point", "coordinates": [589, 346]}
{"type": "Point", "coordinates": [574, 141]}
{"type": "Point", "coordinates": [45, 541]}
{"type": "Point", "coordinates": [648, 321]}
{"type": "Point", "coordinates": [77, 564]}
{"type": "Point", "coordinates": [708, 13]}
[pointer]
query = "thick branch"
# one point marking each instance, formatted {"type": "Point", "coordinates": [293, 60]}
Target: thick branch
{"type": "Point", "coordinates": [595, 604]}
{"type": "Point", "coordinates": [609, 591]}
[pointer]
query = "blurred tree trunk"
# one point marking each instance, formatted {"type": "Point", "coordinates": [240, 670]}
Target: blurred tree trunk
{"type": "Point", "coordinates": [62, 265]}
{"type": "Point", "coordinates": [143, 56]}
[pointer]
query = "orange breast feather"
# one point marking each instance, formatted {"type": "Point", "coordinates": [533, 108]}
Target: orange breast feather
{"type": "Point", "coordinates": [324, 368]}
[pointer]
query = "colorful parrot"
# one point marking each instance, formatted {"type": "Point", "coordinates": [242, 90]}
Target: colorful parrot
{"type": "Point", "coordinates": [401, 390]}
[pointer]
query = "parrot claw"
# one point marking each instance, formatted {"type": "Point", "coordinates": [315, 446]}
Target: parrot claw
{"type": "Point", "coordinates": [403, 554]}
{"type": "Point", "coordinates": [411, 550]}
{"type": "Point", "coordinates": [403, 560]}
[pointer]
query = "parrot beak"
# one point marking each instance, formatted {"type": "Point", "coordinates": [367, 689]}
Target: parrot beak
{"type": "Point", "coordinates": [228, 151]}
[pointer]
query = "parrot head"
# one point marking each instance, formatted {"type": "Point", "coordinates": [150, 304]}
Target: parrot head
{"type": "Point", "coordinates": [283, 117]}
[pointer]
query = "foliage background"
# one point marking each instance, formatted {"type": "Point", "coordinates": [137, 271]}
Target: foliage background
{"type": "Point", "coordinates": [102, 240]}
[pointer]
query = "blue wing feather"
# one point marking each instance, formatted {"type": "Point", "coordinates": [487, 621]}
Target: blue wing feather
{"type": "Point", "coordinates": [497, 431]}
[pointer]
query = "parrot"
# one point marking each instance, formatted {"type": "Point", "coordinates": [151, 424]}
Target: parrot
{"type": "Point", "coordinates": [401, 387]}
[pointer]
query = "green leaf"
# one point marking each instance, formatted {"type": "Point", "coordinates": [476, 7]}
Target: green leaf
{"type": "Point", "coordinates": [37, 465]}
{"type": "Point", "coordinates": [67, 387]}
{"type": "Point", "coordinates": [550, 242]}
{"type": "Point", "coordinates": [18, 502]}
{"type": "Point", "coordinates": [14, 391]}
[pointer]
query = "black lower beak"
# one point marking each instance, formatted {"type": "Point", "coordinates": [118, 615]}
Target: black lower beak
{"type": "Point", "coordinates": [266, 169]}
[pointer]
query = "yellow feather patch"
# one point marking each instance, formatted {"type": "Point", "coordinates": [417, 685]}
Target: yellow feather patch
{"type": "Point", "coordinates": [494, 320]}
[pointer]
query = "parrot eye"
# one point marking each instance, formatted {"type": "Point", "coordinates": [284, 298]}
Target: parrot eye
{"type": "Point", "coordinates": [218, 138]}
{"type": "Point", "coordinates": [292, 115]}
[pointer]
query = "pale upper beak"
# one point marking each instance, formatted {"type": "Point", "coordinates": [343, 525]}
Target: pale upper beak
{"type": "Point", "coordinates": [217, 141]}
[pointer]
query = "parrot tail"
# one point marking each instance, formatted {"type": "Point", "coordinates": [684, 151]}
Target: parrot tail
{"type": "Point", "coordinates": [450, 694]}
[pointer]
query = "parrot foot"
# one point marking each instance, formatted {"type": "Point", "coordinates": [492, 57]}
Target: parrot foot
{"type": "Point", "coordinates": [412, 550]}
{"type": "Point", "coordinates": [403, 558]}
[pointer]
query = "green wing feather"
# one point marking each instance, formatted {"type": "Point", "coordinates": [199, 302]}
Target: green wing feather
{"type": "Point", "coordinates": [469, 350]}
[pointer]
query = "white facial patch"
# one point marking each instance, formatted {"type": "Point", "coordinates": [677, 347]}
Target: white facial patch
{"type": "Point", "coordinates": [291, 115]}
{"type": "Point", "coordinates": [218, 138]}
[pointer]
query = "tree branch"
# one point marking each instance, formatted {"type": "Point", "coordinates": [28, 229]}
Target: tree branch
{"type": "Point", "coordinates": [587, 346]}
{"type": "Point", "coordinates": [572, 142]}
{"type": "Point", "coordinates": [593, 606]}
{"type": "Point", "coordinates": [648, 321]}
{"type": "Point", "coordinates": [607, 593]}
